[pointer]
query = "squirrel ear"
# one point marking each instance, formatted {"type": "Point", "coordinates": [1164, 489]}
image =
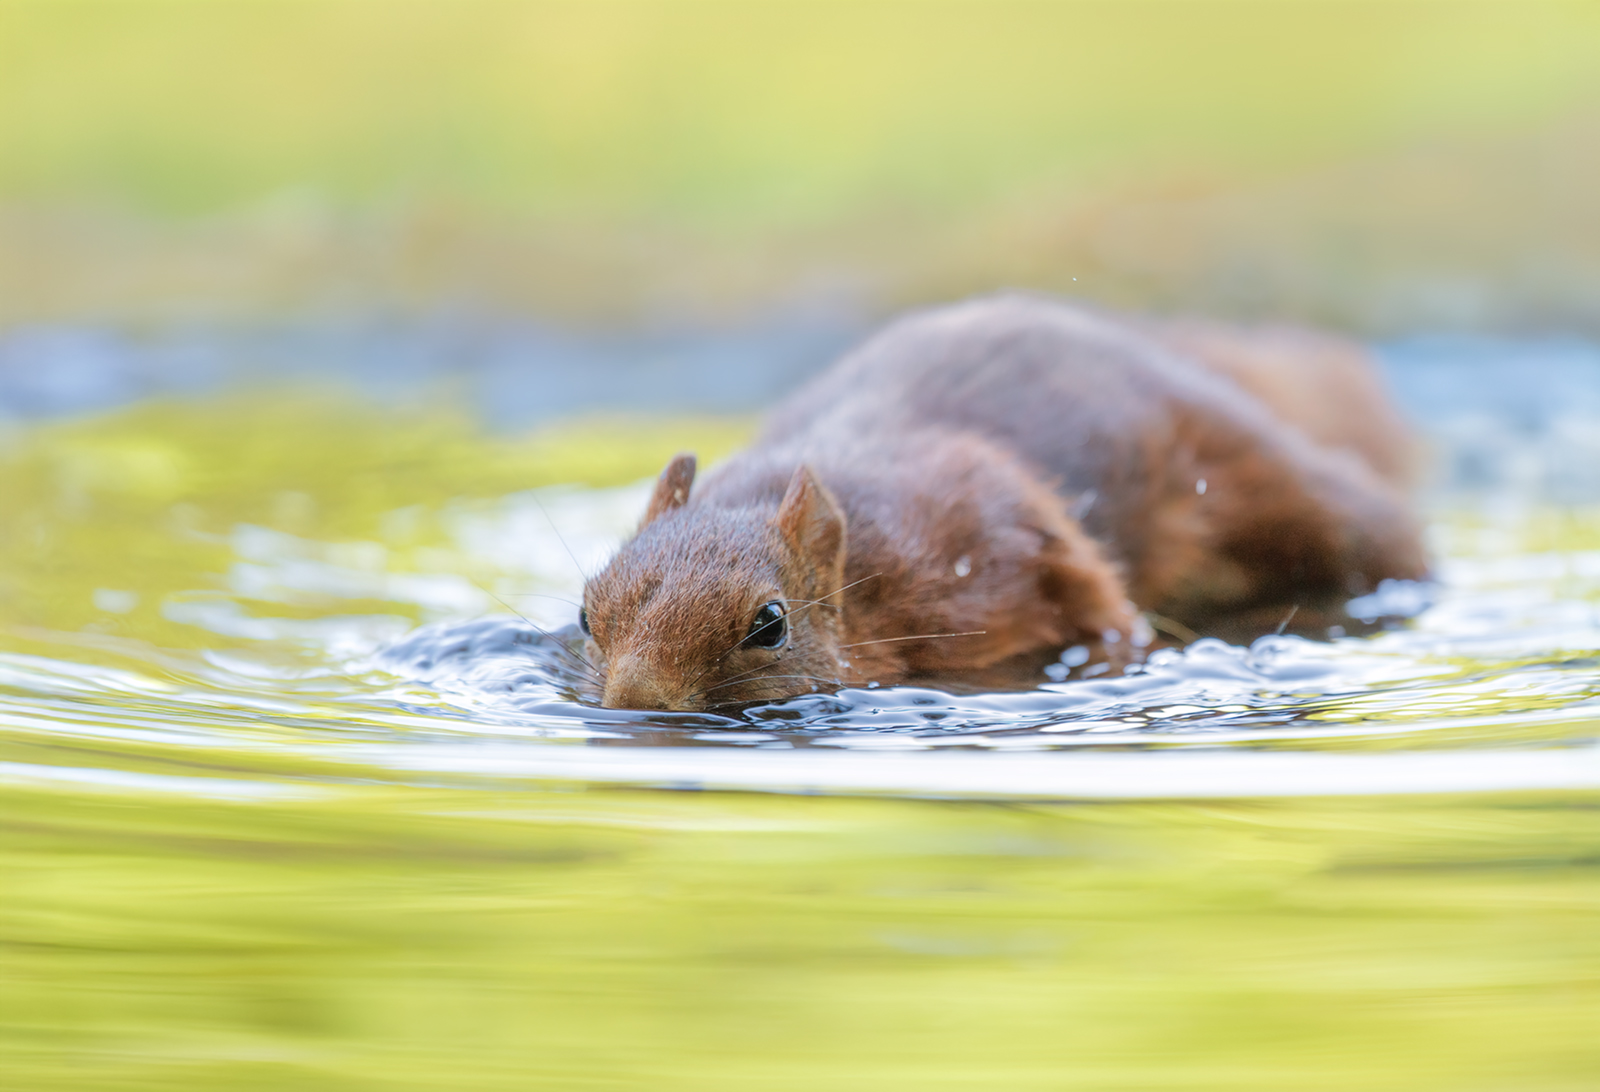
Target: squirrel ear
{"type": "Point", "coordinates": [672, 488]}
{"type": "Point", "coordinates": [812, 521]}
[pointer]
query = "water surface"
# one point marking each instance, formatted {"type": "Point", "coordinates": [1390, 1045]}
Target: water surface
{"type": "Point", "coordinates": [298, 794]}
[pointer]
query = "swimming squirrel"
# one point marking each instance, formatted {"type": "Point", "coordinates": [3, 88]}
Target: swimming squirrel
{"type": "Point", "coordinates": [981, 486]}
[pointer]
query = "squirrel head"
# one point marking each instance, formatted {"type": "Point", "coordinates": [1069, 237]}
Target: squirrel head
{"type": "Point", "coordinates": [708, 606]}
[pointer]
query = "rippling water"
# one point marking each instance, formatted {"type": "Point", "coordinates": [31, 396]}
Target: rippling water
{"type": "Point", "coordinates": [298, 791]}
{"type": "Point", "coordinates": [1508, 653]}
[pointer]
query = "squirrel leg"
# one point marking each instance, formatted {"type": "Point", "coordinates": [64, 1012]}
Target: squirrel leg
{"type": "Point", "coordinates": [1283, 521]}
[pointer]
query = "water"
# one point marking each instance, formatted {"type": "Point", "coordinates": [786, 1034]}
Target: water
{"type": "Point", "coordinates": [293, 798]}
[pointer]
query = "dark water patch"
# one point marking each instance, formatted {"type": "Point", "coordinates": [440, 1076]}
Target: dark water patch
{"type": "Point", "coordinates": [513, 372]}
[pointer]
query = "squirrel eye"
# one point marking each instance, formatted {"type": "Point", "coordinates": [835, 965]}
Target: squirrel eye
{"type": "Point", "coordinates": [583, 621]}
{"type": "Point", "coordinates": [770, 628]}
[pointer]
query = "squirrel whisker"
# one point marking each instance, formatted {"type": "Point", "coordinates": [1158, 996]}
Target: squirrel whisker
{"type": "Point", "coordinates": [541, 595]}
{"type": "Point", "coordinates": [736, 678]}
{"type": "Point", "coordinates": [918, 637]}
{"type": "Point", "coordinates": [593, 673]}
{"type": "Point", "coordinates": [1170, 627]}
{"type": "Point", "coordinates": [559, 537]}
{"type": "Point", "coordinates": [761, 678]}
{"type": "Point", "coordinates": [806, 604]}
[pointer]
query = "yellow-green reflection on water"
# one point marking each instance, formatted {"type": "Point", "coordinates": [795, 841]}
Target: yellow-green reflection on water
{"type": "Point", "coordinates": [143, 499]}
{"type": "Point", "coordinates": [431, 939]}
{"type": "Point", "coordinates": [237, 855]}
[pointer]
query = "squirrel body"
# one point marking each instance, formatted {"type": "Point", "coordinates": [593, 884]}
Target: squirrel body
{"type": "Point", "coordinates": [980, 486]}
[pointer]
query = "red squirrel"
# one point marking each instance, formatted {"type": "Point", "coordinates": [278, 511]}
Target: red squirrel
{"type": "Point", "coordinates": [981, 486]}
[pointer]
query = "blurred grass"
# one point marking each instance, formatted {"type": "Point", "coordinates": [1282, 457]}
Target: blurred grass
{"type": "Point", "coordinates": [742, 111]}
{"type": "Point", "coordinates": [1362, 162]}
{"type": "Point", "coordinates": [419, 938]}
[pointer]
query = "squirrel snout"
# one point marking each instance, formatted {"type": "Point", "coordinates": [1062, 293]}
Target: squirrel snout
{"type": "Point", "coordinates": [634, 683]}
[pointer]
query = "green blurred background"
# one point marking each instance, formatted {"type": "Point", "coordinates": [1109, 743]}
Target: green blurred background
{"type": "Point", "coordinates": [1384, 165]}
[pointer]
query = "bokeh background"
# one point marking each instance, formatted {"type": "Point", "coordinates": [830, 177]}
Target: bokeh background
{"type": "Point", "coordinates": [1386, 166]}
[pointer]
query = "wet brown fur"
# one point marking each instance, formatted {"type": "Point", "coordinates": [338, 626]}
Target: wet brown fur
{"type": "Point", "coordinates": [1021, 471]}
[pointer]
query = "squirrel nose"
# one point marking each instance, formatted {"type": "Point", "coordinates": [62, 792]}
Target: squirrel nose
{"type": "Point", "coordinates": [634, 683]}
